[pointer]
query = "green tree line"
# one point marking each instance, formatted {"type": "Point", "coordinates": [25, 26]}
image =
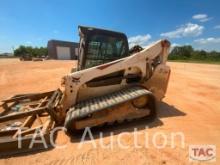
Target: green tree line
{"type": "Point", "coordinates": [30, 51]}
{"type": "Point", "coordinates": [188, 53]}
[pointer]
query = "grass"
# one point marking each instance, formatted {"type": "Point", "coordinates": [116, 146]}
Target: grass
{"type": "Point", "coordinates": [197, 61]}
{"type": "Point", "coordinates": [2, 56]}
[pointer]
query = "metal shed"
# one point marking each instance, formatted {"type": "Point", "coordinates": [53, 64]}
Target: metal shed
{"type": "Point", "coordinates": [62, 50]}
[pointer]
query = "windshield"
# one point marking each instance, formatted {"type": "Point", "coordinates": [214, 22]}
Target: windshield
{"type": "Point", "coordinates": [102, 49]}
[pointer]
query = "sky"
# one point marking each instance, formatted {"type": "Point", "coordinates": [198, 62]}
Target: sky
{"type": "Point", "coordinates": [183, 22]}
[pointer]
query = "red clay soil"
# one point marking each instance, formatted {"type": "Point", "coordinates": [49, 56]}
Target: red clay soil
{"type": "Point", "coordinates": [191, 107]}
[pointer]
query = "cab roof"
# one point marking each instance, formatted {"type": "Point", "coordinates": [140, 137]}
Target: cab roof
{"type": "Point", "coordinates": [85, 30]}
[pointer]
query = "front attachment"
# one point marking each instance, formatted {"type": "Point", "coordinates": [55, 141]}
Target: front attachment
{"type": "Point", "coordinates": [27, 118]}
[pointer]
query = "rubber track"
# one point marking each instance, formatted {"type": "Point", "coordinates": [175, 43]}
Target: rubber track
{"type": "Point", "coordinates": [87, 107]}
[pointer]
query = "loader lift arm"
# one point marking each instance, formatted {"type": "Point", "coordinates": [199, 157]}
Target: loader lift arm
{"type": "Point", "coordinates": [151, 60]}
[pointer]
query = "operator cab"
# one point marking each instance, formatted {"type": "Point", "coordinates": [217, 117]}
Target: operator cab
{"type": "Point", "coordinates": [99, 46]}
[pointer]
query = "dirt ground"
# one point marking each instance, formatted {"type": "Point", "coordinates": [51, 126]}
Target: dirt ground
{"type": "Point", "coordinates": [191, 107]}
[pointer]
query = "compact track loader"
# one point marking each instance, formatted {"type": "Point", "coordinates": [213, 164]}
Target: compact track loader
{"type": "Point", "coordinates": [110, 84]}
{"type": "Point", "coordinates": [126, 88]}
